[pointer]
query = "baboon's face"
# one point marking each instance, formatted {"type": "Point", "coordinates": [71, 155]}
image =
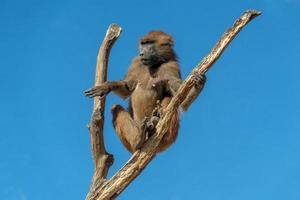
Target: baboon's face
{"type": "Point", "coordinates": [155, 49]}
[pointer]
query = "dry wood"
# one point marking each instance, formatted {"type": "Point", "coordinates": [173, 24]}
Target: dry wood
{"type": "Point", "coordinates": [102, 159]}
{"type": "Point", "coordinates": [111, 188]}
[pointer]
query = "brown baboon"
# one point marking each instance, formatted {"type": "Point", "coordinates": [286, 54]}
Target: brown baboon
{"type": "Point", "coordinates": [154, 76]}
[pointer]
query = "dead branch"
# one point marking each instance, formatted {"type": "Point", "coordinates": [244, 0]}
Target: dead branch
{"type": "Point", "coordinates": [102, 159]}
{"type": "Point", "coordinates": [111, 188]}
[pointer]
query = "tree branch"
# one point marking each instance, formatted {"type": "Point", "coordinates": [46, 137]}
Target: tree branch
{"type": "Point", "coordinates": [102, 159]}
{"type": "Point", "coordinates": [139, 160]}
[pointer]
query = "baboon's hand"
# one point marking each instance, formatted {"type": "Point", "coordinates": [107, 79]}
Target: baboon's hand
{"type": "Point", "coordinates": [158, 110]}
{"type": "Point", "coordinates": [198, 78]}
{"type": "Point", "coordinates": [151, 124]}
{"type": "Point", "coordinates": [100, 90]}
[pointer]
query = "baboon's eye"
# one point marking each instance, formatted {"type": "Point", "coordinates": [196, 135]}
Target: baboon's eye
{"type": "Point", "coordinates": [166, 44]}
{"type": "Point", "coordinates": [147, 42]}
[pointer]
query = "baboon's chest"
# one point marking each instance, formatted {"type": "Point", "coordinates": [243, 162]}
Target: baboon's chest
{"type": "Point", "coordinates": [144, 98]}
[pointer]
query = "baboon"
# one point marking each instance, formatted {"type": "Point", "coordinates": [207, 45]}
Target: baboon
{"type": "Point", "coordinates": [154, 76]}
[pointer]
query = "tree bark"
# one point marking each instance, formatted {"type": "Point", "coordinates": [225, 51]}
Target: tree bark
{"type": "Point", "coordinates": [102, 159]}
{"type": "Point", "coordinates": [110, 189]}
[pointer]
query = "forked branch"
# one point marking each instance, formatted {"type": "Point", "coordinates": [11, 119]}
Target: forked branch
{"type": "Point", "coordinates": [111, 188]}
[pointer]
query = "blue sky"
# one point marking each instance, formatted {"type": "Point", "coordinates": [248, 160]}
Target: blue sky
{"type": "Point", "coordinates": [239, 140]}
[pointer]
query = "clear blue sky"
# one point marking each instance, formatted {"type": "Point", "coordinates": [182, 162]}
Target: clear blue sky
{"type": "Point", "coordinates": [239, 140]}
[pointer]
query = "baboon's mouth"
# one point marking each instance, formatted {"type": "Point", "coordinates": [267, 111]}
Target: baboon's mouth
{"type": "Point", "coordinates": [145, 60]}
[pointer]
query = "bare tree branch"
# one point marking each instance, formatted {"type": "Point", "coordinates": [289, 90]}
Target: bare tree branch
{"type": "Point", "coordinates": [110, 189]}
{"type": "Point", "coordinates": [102, 159]}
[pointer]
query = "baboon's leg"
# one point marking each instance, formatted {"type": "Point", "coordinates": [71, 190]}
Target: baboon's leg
{"type": "Point", "coordinates": [171, 135]}
{"type": "Point", "coordinates": [127, 129]}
